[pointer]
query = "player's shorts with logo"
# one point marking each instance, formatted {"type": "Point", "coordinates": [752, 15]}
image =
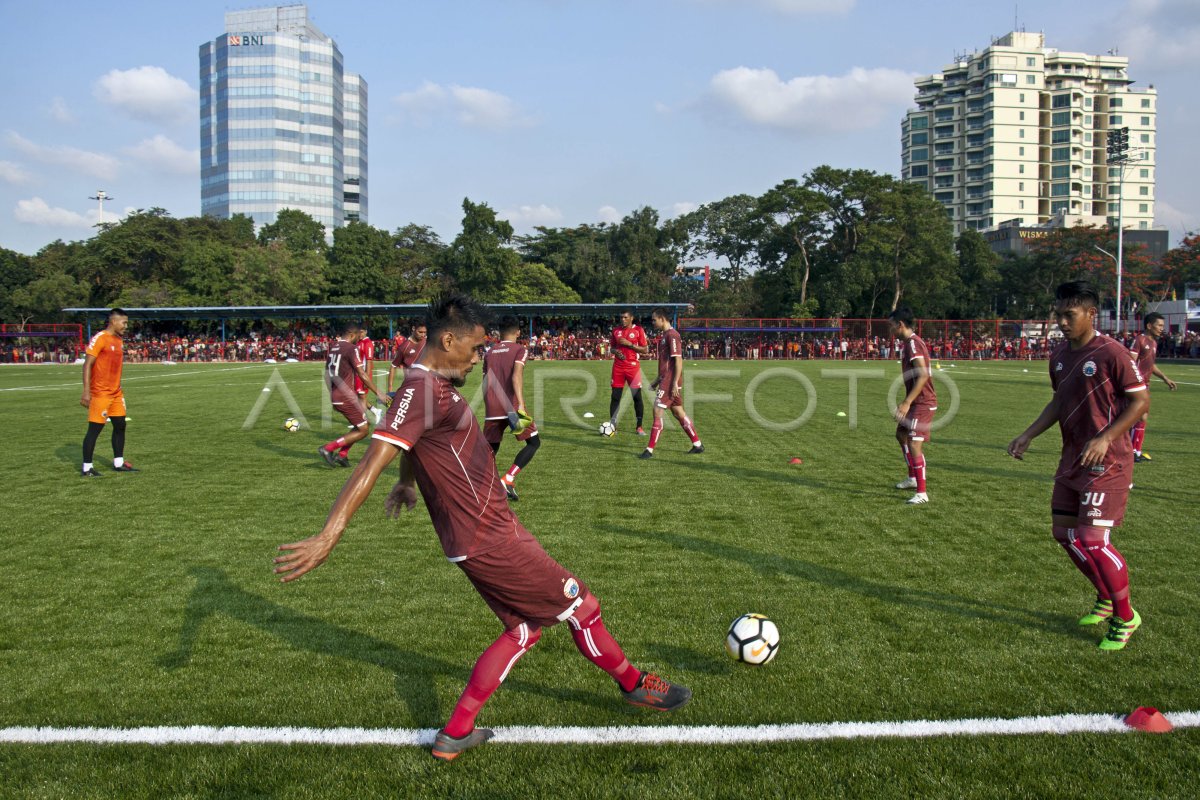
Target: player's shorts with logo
{"type": "Point", "coordinates": [664, 400]}
{"type": "Point", "coordinates": [520, 582]}
{"type": "Point", "coordinates": [1092, 502]}
{"type": "Point", "coordinates": [494, 430]}
{"type": "Point", "coordinates": [916, 425]}
{"type": "Point", "coordinates": [627, 372]}
{"type": "Point", "coordinates": [350, 407]}
{"type": "Point", "coordinates": [103, 406]}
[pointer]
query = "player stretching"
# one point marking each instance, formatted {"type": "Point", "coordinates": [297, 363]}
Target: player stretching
{"type": "Point", "coordinates": [668, 384]}
{"type": "Point", "coordinates": [407, 355]}
{"type": "Point", "coordinates": [628, 344]}
{"type": "Point", "coordinates": [445, 453]}
{"type": "Point", "coordinates": [1144, 349]}
{"type": "Point", "coordinates": [342, 365]}
{"type": "Point", "coordinates": [102, 395]}
{"type": "Point", "coordinates": [915, 412]}
{"type": "Point", "coordinates": [1098, 395]}
{"type": "Point", "coordinates": [504, 379]}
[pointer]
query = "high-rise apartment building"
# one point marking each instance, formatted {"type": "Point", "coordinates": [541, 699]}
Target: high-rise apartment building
{"type": "Point", "coordinates": [281, 124]}
{"type": "Point", "coordinates": [1018, 132]}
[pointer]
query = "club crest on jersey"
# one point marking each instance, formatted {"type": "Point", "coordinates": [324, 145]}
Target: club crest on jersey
{"type": "Point", "coordinates": [571, 588]}
{"type": "Point", "coordinates": [1058, 367]}
{"type": "Point", "coordinates": [1089, 369]}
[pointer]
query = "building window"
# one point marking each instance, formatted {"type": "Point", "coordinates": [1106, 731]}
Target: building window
{"type": "Point", "coordinates": [1087, 102]}
{"type": "Point", "coordinates": [1021, 186]}
{"type": "Point", "coordinates": [1021, 97]}
{"type": "Point", "coordinates": [920, 170]}
{"type": "Point", "coordinates": [1060, 171]}
{"type": "Point", "coordinates": [1060, 189]}
{"type": "Point", "coordinates": [1021, 150]}
{"type": "Point", "coordinates": [1031, 79]}
{"type": "Point", "coordinates": [1145, 122]}
{"type": "Point", "coordinates": [1008, 78]}
{"type": "Point", "coordinates": [917, 123]}
{"type": "Point", "coordinates": [1021, 115]}
{"type": "Point", "coordinates": [1030, 61]}
{"type": "Point", "coordinates": [1021, 133]}
{"type": "Point", "coordinates": [1061, 101]}
{"type": "Point", "coordinates": [1144, 191]}
{"type": "Point", "coordinates": [1143, 208]}
{"type": "Point", "coordinates": [1021, 204]}
{"type": "Point", "coordinates": [1087, 173]}
{"type": "Point", "coordinates": [920, 154]}
{"type": "Point", "coordinates": [1060, 154]}
{"type": "Point", "coordinates": [1114, 119]}
{"type": "Point", "coordinates": [1114, 103]}
{"type": "Point", "coordinates": [1059, 137]}
{"type": "Point", "coordinates": [1058, 205]}
{"type": "Point", "coordinates": [1021, 169]}
{"type": "Point", "coordinates": [1145, 102]}
{"type": "Point", "coordinates": [1143, 173]}
{"type": "Point", "coordinates": [1112, 208]}
{"type": "Point", "coordinates": [1145, 138]}
{"type": "Point", "coordinates": [920, 138]}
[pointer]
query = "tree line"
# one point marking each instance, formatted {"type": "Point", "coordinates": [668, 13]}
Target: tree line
{"type": "Point", "coordinates": [835, 243]}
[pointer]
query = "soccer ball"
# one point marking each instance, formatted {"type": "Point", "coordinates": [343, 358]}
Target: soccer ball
{"type": "Point", "coordinates": [752, 639]}
{"type": "Point", "coordinates": [291, 424]}
{"type": "Point", "coordinates": [607, 429]}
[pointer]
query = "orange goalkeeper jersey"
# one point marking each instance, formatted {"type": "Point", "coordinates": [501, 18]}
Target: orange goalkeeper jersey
{"type": "Point", "coordinates": [106, 372]}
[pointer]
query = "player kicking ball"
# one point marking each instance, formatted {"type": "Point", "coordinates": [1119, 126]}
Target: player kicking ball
{"type": "Point", "coordinates": [444, 454]}
{"type": "Point", "coordinates": [1098, 396]}
{"type": "Point", "coordinates": [668, 385]}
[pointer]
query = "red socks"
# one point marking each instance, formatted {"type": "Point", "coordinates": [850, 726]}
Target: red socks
{"type": "Point", "coordinates": [1109, 565]}
{"type": "Point", "coordinates": [1138, 435]}
{"type": "Point", "coordinates": [690, 430]}
{"type": "Point", "coordinates": [598, 645]}
{"type": "Point", "coordinates": [490, 671]}
{"type": "Point", "coordinates": [655, 432]}
{"type": "Point", "coordinates": [1069, 542]}
{"type": "Point", "coordinates": [337, 444]}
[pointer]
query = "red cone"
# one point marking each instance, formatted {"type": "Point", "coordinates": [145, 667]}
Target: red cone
{"type": "Point", "coordinates": [797, 461]}
{"type": "Point", "coordinates": [1150, 720]}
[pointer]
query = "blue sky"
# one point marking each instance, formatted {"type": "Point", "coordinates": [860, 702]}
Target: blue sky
{"type": "Point", "coordinates": [553, 112]}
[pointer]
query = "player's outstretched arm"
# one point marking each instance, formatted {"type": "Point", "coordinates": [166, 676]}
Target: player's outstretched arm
{"type": "Point", "coordinates": [304, 556]}
{"type": "Point", "coordinates": [1170, 383]}
{"type": "Point", "coordinates": [1044, 422]}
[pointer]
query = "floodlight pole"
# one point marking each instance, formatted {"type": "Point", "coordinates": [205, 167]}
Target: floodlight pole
{"type": "Point", "coordinates": [101, 197]}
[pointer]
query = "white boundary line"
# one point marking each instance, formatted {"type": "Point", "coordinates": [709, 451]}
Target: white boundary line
{"type": "Point", "coordinates": [664, 734]}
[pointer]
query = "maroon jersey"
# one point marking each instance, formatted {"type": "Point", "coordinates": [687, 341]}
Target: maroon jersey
{"type": "Point", "coordinates": [669, 346]}
{"type": "Point", "coordinates": [914, 362]}
{"type": "Point", "coordinates": [498, 367]}
{"type": "Point", "coordinates": [409, 351]}
{"type": "Point", "coordinates": [633, 334]}
{"type": "Point", "coordinates": [453, 464]}
{"type": "Point", "coordinates": [341, 368]}
{"type": "Point", "coordinates": [1144, 349]}
{"type": "Point", "coordinates": [1090, 384]}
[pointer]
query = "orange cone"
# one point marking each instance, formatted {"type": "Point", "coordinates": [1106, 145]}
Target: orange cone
{"type": "Point", "coordinates": [797, 461]}
{"type": "Point", "coordinates": [1150, 720]}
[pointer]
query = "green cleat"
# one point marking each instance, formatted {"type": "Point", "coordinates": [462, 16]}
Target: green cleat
{"type": "Point", "coordinates": [1100, 612]}
{"type": "Point", "coordinates": [1119, 632]}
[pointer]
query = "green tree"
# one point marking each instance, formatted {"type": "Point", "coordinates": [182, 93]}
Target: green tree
{"type": "Point", "coordinates": [16, 271]}
{"type": "Point", "coordinates": [536, 283]}
{"type": "Point", "coordinates": [581, 258]}
{"type": "Point", "coordinates": [415, 274]}
{"type": "Point", "coordinates": [727, 229]}
{"type": "Point", "coordinates": [477, 261]}
{"type": "Point", "coordinates": [275, 275]}
{"type": "Point", "coordinates": [640, 251]}
{"type": "Point", "coordinates": [978, 270]}
{"type": "Point", "coordinates": [359, 263]}
{"type": "Point", "coordinates": [296, 230]}
{"type": "Point", "coordinates": [795, 221]}
{"type": "Point", "coordinates": [1180, 266]}
{"type": "Point", "coordinates": [45, 297]}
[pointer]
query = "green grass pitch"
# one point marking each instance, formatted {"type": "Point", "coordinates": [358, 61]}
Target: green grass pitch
{"type": "Point", "coordinates": [148, 598]}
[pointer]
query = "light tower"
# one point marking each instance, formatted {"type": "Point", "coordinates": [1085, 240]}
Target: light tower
{"type": "Point", "coordinates": [100, 196]}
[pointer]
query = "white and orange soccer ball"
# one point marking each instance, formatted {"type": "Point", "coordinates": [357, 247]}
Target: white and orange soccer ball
{"type": "Point", "coordinates": [752, 639]}
{"type": "Point", "coordinates": [607, 429]}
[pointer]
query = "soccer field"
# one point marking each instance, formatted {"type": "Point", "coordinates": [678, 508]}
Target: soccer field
{"type": "Point", "coordinates": [148, 599]}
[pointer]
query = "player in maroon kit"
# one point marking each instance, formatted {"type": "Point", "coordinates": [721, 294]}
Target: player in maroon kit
{"type": "Point", "coordinates": [407, 355]}
{"type": "Point", "coordinates": [1144, 349]}
{"type": "Point", "coordinates": [628, 344]}
{"type": "Point", "coordinates": [914, 415]}
{"type": "Point", "coordinates": [504, 404]}
{"type": "Point", "coordinates": [445, 453]}
{"type": "Point", "coordinates": [343, 365]}
{"type": "Point", "coordinates": [669, 384]}
{"type": "Point", "coordinates": [1098, 395]}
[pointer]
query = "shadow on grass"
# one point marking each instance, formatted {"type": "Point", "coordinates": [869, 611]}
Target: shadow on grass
{"type": "Point", "coordinates": [902, 596]}
{"type": "Point", "coordinates": [414, 672]}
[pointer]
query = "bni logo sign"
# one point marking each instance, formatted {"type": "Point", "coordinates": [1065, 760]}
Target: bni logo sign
{"type": "Point", "coordinates": [244, 40]}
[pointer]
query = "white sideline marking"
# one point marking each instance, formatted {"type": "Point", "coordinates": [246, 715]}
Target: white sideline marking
{"type": "Point", "coordinates": [657, 734]}
{"type": "Point", "coordinates": [76, 384]}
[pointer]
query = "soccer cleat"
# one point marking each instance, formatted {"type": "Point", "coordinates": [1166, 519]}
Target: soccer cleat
{"type": "Point", "coordinates": [511, 491]}
{"type": "Point", "coordinates": [341, 461]}
{"type": "Point", "coordinates": [1119, 632]}
{"type": "Point", "coordinates": [1140, 457]}
{"type": "Point", "coordinates": [447, 748]}
{"type": "Point", "coordinates": [126, 467]}
{"type": "Point", "coordinates": [696, 450]}
{"type": "Point", "coordinates": [641, 431]}
{"type": "Point", "coordinates": [647, 453]}
{"type": "Point", "coordinates": [907, 483]}
{"type": "Point", "coordinates": [918, 498]}
{"type": "Point", "coordinates": [1100, 612]}
{"type": "Point", "coordinates": [91, 473]}
{"type": "Point", "coordinates": [657, 693]}
{"type": "Point", "coordinates": [329, 457]}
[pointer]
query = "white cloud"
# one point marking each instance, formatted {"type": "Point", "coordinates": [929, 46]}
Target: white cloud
{"type": "Point", "coordinates": [37, 211]}
{"type": "Point", "coordinates": [97, 165]}
{"type": "Point", "coordinates": [13, 173]}
{"type": "Point", "coordinates": [163, 154]}
{"type": "Point", "coordinates": [471, 106]}
{"type": "Point", "coordinates": [150, 94]}
{"type": "Point", "coordinates": [608, 214]}
{"type": "Point", "coordinates": [1153, 34]}
{"type": "Point", "coordinates": [532, 216]}
{"type": "Point", "coordinates": [679, 209]}
{"type": "Point", "coordinates": [860, 99]}
{"type": "Point", "coordinates": [792, 7]}
{"type": "Point", "coordinates": [59, 112]}
{"type": "Point", "coordinates": [1175, 220]}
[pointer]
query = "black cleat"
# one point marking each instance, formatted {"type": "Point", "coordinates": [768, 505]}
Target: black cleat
{"type": "Point", "coordinates": [511, 491]}
{"type": "Point", "coordinates": [126, 467]}
{"type": "Point", "coordinates": [341, 461]}
{"type": "Point", "coordinates": [91, 473]}
{"type": "Point", "coordinates": [696, 450]}
{"type": "Point", "coordinates": [329, 457]}
{"type": "Point", "coordinates": [447, 748]}
{"type": "Point", "coordinates": [647, 453]}
{"type": "Point", "coordinates": [658, 693]}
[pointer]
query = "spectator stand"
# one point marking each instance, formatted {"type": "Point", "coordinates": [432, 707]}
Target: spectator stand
{"type": "Point", "coordinates": [67, 340]}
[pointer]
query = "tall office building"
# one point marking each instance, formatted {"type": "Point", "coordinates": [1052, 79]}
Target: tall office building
{"type": "Point", "coordinates": [281, 124]}
{"type": "Point", "coordinates": [1018, 132]}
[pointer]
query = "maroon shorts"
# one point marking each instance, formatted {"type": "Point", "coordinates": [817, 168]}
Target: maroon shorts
{"type": "Point", "coordinates": [664, 400]}
{"type": "Point", "coordinates": [520, 582]}
{"type": "Point", "coordinates": [494, 430]}
{"type": "Point", "coordinates": [916, 425]}
{"type": "Point", "coordinates": [1101, 508]}
{"type": "Point", "coordinates": [350, 407]}
{"type": "Point", "coordinates": [627, 372]}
